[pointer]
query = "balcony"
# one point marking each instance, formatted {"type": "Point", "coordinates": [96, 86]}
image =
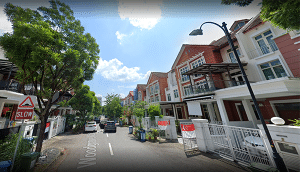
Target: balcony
{"type": "Point", "coordinates": [210, 87]}
{"type": "Point", "coordinates": [11, 85]}
{"type": "Point", "coordinates": [262, 50]}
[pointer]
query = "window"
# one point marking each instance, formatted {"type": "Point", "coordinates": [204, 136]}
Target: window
{"type": "Point", "coordinates": [184, 77]}
{"type": "Point", "coordinates": [140, 95]}
{"type": "Point", "coordinates": [201, 86]}
{"type": "Point", "coordinates": [176, 93]}
{"type": "Point", "coordinates": [152, 90]}
{"type": "Point", "coordinates": [187, 90]}
{"type": "Point", "coordinates": [156, 88]}
{"type": "Point", "coordinates": [232, 56]}
{"type": "Point", "coordinates": [152, 99]}
{"type": "Point", "coordinates": [273, 70]}
{"type": "Point", "coordinates": [198, 63]}
{"type": "Point", "coordinates": [265, 42]}
{"type": "Point", "coordinates": [169, 97]}
{"type": "Point", "coordinates": [156, 98]}
{"type": "Point", "coordinates": [239, 25]}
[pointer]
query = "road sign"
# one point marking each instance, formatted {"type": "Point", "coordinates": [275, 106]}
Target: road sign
{"type": "Point", "coordinates": [24, 114]}
{"type": "Point", "coordinates": [27, 103]}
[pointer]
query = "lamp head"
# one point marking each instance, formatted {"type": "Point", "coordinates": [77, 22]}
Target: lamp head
{"type": "Point", "coordinates": [196, 32]}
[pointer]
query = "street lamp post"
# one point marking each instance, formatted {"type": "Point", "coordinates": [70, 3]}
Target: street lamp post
{"type": "Point", "coordinates": [277, 159]}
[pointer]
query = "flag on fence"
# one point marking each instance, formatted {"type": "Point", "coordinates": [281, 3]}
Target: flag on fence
{"type": "Point", "coordinates": [47, 127]}
{"type": "Point", "coordinates": [188, 131]}
{"type": "Point", "coordinates": [162, 125]}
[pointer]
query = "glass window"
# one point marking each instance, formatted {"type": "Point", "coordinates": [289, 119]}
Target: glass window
{"type": "Point", "coordinates": [266, 43]}
{"type": "Point", "coordinates": [156, 98]}
{"type": "Point", "coordinates": [152, 99]}
{"type": "Point", "coordinates": [184, 77]}
{"type": "Point", "coordinates": [169, 97]}
{"type": "Point", "coordinates": [187, 90]}
{"type": "Point", "coordinates": [156, 88]}
{"type": "Point", "coordinates": [239, 25]}
{"type": "Point", "coordinates": [176, 93]}
{"type": "Point", "coordinates": [273, 70]}
{"type": "Point", "coordinates": [152, 90]}
{"type": "Point", "coordinates": [232, 57]}
{"type": "Point", "coordinates": [198, 63]}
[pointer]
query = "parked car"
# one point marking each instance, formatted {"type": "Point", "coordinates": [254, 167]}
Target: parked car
{"type": "Point", "coordinates": [110, 126]}
{"type": "Point", "coordinates": [90, 126]}
{"type": "Point", "coordinates": [97, 120]}
{"type": "Point", "coordinates": [102, 124]}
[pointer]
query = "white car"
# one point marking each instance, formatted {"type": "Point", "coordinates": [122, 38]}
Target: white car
{"type": "Point", "coordinates": [90, 126]}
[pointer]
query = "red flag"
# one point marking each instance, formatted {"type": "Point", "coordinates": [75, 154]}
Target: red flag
{"type": "Point", "coordinates": [189, 127]}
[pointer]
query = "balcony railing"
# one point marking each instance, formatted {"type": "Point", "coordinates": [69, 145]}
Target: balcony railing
{"type": "Point", "coordinates": [211, 86]}
{"type": "Point", "coordinates": [11, 85]}
{"type": "Point", "coordinates": [262, 50]}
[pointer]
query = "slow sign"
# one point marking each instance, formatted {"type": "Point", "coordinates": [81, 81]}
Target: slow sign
{"type": "Point", "coordinates": [25, 109]}
{"type": "Point", "coordinates": [24, 114]}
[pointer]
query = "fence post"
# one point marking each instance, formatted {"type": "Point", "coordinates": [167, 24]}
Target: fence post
{"type": "Point", "coordinates": [200, 133]}
{"type": "Point", "coordinates": [147, 123]}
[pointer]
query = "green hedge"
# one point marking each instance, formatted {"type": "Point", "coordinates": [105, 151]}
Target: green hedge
{"type": "Point", "coordinates": [8, 146]}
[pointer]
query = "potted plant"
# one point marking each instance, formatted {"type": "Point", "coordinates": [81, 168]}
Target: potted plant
{"type": "Point", "coordinates": [155, 133]}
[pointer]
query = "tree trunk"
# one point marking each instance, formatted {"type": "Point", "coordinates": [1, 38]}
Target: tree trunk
{"type": "Point", "coordinates": [43, 118]}
{"type": "Point", "coordinates": [41, 135]}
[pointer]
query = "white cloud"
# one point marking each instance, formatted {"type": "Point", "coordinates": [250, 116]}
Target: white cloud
{"type": "Point", "coordinates": [144, 14]}
{"type": "Point", "coordinates": [115, 70]}
{"type": "Point", "coordinates": [120, 36]}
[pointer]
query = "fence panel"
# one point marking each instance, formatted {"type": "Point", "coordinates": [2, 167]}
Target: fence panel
{"type": "Point", "coordinates": [241, 144]}
{"type": "Point", "coordinates": [188, 136]}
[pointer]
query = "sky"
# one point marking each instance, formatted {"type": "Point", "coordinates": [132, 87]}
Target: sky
{"type": "Point", "coordinates": [137, 37]}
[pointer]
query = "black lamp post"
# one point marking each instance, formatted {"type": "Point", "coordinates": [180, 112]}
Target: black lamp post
{"type": "Point", "coordinates": [278, 160]}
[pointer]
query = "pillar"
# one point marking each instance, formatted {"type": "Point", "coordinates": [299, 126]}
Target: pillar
{"type": "Point", "coordinates": [203, 138]}
{"type": "Point", "coordinates": [250, 112]}
{"type": "Point", "coordinates": [211, 112]}
{"type": "Point", "coordinates": [223, 112]}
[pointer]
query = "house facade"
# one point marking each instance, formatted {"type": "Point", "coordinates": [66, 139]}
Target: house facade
{"type": "Point", "coordinates": [141, 92]}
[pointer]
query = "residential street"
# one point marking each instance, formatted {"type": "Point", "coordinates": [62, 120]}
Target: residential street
{"type": "Point", "coordinates": [120, 151]}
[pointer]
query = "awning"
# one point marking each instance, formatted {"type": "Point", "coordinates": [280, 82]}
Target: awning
{"type": "Point", "coordinates": [208, 68]}
{"type": "Point", "coordinates": [5, 67]}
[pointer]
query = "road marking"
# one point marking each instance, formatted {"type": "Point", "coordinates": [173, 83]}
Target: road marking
{"type": "Point", "coordinates": [107, 134]}
{"type": "Point", "coordinates": [110, 149]}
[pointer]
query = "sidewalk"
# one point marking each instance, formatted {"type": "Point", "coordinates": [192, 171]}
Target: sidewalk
{"type": "Point", "coordinates": [51, 151]}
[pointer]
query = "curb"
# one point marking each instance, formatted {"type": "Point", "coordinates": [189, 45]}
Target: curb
{"type": "Point", "coordinates": [44, 167]}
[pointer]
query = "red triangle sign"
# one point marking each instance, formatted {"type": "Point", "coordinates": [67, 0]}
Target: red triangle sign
{"type": "Point", "coordinates": [27, 103]}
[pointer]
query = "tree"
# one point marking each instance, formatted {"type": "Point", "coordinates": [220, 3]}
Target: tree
{"type": "Point", "coordinates": [139, 111]}
{"type": "Point", "coordinates": [85, 103]}
{"type": "Point", "coordinates": [154, 110]}
{"type": "Point", "coordinates": [51, 51]}
{"type": "Point", "coordinates": [281, 13]}
{"type": "Point", "coordinates": [113, 108]}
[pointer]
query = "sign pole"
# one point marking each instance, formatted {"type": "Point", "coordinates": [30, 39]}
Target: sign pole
{"type": "Point", "coordinates": [20, 133]}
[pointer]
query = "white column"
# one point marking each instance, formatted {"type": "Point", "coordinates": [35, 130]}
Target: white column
{"type": "Point", "coordinates": [211, 112]}
{"type": "Point", "coordinates": [172, 129]}
{"type": "Point", "coordinates": [156, 120]}
{"type": "Point", "coordinates": [164, 111]}
{"type": "Point", "coordinates": [202, 134]}
{"type": "Point", "coordinates": [50, 129]}
{"type": "Point", "coordinates": [222, 111]}
{"type": "Point", "coordinates": [250, 112]}
{"type": "Point", "coordinates": [147, 123]}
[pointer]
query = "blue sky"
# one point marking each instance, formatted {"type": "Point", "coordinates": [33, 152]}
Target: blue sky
{"type": "Point", "coordinates": [141, 36]}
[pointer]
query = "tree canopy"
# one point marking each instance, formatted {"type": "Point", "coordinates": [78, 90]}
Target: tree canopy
{"type": "Point", "coordinates": [284, 14]}
{"type": "Point", "coordinates": [154, 110]}
{"type": "Point", "coordinates": [113, 108]}
{"type": "Point", "coordinates": [85, 103]}
{"type": "Point", "coordinates": [52, 52]}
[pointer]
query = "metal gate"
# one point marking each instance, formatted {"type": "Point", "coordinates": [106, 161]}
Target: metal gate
{"type": "Point", "coordinates": [188, 137]}
{"type": "Point", "coordinates": [245, 145]}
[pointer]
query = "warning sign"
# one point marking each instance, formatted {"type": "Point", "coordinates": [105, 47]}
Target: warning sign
{"type": "Point", "coordinates": [27, 103]}
{"type": "Point", "coordinates": [24, 114]}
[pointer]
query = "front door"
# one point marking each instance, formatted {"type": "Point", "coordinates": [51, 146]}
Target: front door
{"type": "Point", "coordinates": [179, 112]}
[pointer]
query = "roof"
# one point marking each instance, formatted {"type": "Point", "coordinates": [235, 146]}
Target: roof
{"type": "Point", "coordinates": [160, 74]}
{"type": "Point", "coordinates": [182, 50]}
{"type": "Point", "coordinates": [142, 86]}
{"type": "Point", "coordinates": [5, 67]}
{"type": "Point", "coordinates": [256, 22]}
{"type": "Point", "coordinates": [213, 68]}
{"type": "Point", "coordinates": [236, 22]}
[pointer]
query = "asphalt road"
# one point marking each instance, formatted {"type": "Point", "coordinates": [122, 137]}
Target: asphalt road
{"type": "Point", "coordinates": [120, 151]}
